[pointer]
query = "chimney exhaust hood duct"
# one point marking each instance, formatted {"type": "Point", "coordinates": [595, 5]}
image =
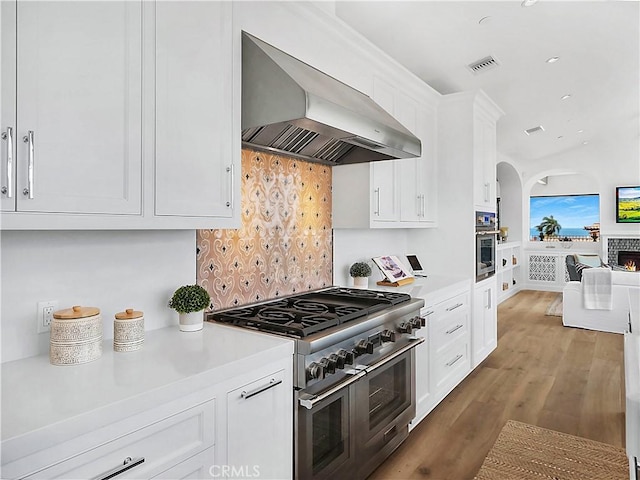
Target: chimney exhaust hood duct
{"type": "Point", "coordinates": [290, 107]}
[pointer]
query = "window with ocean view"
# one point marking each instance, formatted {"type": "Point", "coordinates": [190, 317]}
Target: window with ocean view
{"type": "Point", "coordinates": [567, 218]}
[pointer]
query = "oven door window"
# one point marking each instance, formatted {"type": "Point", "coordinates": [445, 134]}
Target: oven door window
{"type": "Point", "coordinates": [389, 392]}
{"type": "Point", "coordinates": [323, 436]}
{"type": "Point", "coordinates": [485, 252]}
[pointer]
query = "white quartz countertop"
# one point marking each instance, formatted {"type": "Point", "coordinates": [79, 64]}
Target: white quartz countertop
{"type": "Point", "coordinates": [37, 395]}
{"type": "Point", "coordinates": [431, 289]}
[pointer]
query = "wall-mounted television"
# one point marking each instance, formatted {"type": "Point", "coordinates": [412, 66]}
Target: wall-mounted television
{"type": "Point", "coordinates": [628, 204]}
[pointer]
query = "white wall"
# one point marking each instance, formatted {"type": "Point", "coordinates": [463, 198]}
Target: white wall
{"type": "Point", "coordinates": [111, 270]}
{"type": "Point", "coordinates": [353, 245]}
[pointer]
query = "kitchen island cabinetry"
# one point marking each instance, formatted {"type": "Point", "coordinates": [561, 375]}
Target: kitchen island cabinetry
{"type": "Point", "coordinates": [171, 403]}
{"type": "Point", "coordinates": [392, 193]}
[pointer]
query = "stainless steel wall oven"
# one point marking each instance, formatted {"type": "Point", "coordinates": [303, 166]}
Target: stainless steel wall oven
{"type": "Point", "coordinates": [486, 241]}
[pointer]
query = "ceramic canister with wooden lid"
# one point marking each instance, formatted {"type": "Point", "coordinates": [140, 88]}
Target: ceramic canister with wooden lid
{"type": "Point", "coordinates": [76, 336]}
{"type": "Point", "coordinates": [128, 331]}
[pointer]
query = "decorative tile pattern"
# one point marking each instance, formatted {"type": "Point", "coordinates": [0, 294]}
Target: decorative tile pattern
{"type": "Point", "coordinates": [284, 245]}
{"type": "Point", "coordinates": [616, 245]}
{"type": "Point", "coordinates": [542, 268]}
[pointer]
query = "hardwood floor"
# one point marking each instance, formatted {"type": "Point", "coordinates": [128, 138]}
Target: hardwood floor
{"type": "Point", "coordinates": [565, 379]}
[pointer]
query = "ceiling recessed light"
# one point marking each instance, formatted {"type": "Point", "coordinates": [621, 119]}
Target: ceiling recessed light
{"type": "Point", "coordinates": [552, 59]}
{"type": "Point", "coordinates": [580, 131]}
{"type": "Point", "coordinates": [528, 3]}
{"type": "Point", "coordinates": [564, 97]}
{"type": "Point", "coordinates": [484, 20]}
{"type": "Point", "coordinates": [585, 143]}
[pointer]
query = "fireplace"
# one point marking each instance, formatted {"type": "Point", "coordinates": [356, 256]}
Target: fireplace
{"type": "Point", "coordinates": [629, 260]}
{"type": "Point", "coordinates": [616, 245]}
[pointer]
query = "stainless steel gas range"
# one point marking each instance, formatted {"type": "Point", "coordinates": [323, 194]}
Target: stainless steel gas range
{"type": "Point", "coordinates": [354, 373]}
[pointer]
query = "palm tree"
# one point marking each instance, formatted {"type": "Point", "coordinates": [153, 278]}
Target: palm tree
{"type": "Point", "coordinates": [549, 226]}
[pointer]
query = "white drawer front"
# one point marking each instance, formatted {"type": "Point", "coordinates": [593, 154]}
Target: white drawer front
{"type": "Point", "coordinates": [163, 444]}
{"type": "Point", "coordinates": [449, 322]}
{"type": "Point", "coordinates": [451, 364]}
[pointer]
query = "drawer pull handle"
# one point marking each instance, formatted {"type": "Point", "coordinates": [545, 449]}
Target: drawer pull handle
{"type": "Point", "coordinates": [430, 312]}
{"type": "Point", "coordinates": [246, 395]}
{"type": "Point", "coordinates": [457, 327]}
{"type": "Point", "coordinates": [458, 357]}
{"type": "Point", "coordinates": [128, 464]}
{"type": "Point", "coordinates": [457, 305]}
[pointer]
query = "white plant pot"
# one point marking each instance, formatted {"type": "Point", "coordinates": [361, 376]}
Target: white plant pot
{"type": "Point", "coordinates": [360, 282]}
{"type": "Point", "coordinates": [191, 322]}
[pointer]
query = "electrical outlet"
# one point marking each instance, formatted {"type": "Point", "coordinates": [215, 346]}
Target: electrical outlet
{"type": "Point", "coordinates": [45, 315]}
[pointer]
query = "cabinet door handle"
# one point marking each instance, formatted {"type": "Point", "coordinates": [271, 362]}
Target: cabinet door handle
{"type": "Point", "coordinates": [424, 206]}
{"type": "Point", "coordinates": [458, 357]}
{"type": "Point", "coordinates": [457, 305]}
{"type": "Point", "coordinates": [457, 327]}
{"type": "Point", "coordinates": [128, 464]}
{"type": "Point", "coordinates": [8, 137]}
{"type": "Point", "coordinates": [28, 139]}
{"type": "Point", "coordinates": [246, 395]}
{"type": "Point", "coordinates": [377, 210]}
{"type": "Point", "coordinates": [488, 299]}
{"type": "Point", "coordinates": [486, 191]}
{"type": "Point", "coordinates": [230, 171]}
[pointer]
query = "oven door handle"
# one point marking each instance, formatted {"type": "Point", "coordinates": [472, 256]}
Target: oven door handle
{"type": "Point", "coordinates": [415, 341]}
{"type": "Point", "coordinates": [308, 401]}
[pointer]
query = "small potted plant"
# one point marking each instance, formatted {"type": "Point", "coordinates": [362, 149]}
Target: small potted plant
{"type": "Point", "coordinates": [360, 271]}
{"type": "Point", "coordinates": [189, 301]}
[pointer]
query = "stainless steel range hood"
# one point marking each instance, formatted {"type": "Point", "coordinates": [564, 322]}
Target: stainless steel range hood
{"type": "Point", "coordinates": [290, 107]}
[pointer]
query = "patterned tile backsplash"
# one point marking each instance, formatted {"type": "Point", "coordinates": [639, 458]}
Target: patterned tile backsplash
{"type": "Point", "coordinates": [285, 242]}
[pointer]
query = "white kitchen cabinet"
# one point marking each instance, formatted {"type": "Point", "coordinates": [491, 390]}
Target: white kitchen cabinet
{"type": "Point", "coordinates": [170, 435]}
{"type": "Point", "coordinates": [202, 465]}
{"type": "Point", "coordinates": [395, 193]}
{"type": "Point", "coordinates": [449, 344]}
{"type": "Point", "coordinates": [194, 167]}
{"type": "Point", "coordinates": [259, 427]}
{"type": "Point", "coordinates": [484, 324]}
{"type": "Point", "coordinates": [76, 116]}
{"type": "Point", "coordinates": [508, 274]}
{"type": "Point", "coordinates": [133, 109]}
{"type": "Point", "coordinates": [484, 146]}
{"type": "Point", "coordinates": [444, 360]}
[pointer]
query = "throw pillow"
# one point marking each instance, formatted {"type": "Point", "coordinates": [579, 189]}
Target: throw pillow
{"type": "Point", "coordinates": [580, 267]}
{"type": "Point", "coordinates": [590, 260]}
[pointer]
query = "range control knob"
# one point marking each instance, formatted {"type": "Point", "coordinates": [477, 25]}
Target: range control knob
{"type": "Point", "coordinates": [364, 346]}
{"type": "Point", "coordinates": [346, 357]}
{"type": "Point", "coordinates": [417, 322]}
{"type": "Point", "coordinates": [315, 371]}
{"type": "Point", "coordinates": [328, 364]}
{"type": "Point", "coordinates": [338, 360]}
{"type": "Point", "coordinates": [405, 327]}
{"type": "Point", "coordinates": [388, 336]}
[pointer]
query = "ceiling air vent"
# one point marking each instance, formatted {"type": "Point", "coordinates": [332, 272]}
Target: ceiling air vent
{"type": "Point", "coordinates": [484, 64]}
{"type": "Point", "coordinates": [531, 131]}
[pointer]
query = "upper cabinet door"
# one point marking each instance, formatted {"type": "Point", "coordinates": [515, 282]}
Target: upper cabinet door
{"type": "Point", "coordinates": [8, 105]}
{"type": "Point", "coordinates": [78, 133]}
{"type": "Point", "coordinates": [195, 151]}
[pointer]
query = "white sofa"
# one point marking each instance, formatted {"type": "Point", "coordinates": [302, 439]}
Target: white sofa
{"type": "Point", "coordinates": [615, 320]}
